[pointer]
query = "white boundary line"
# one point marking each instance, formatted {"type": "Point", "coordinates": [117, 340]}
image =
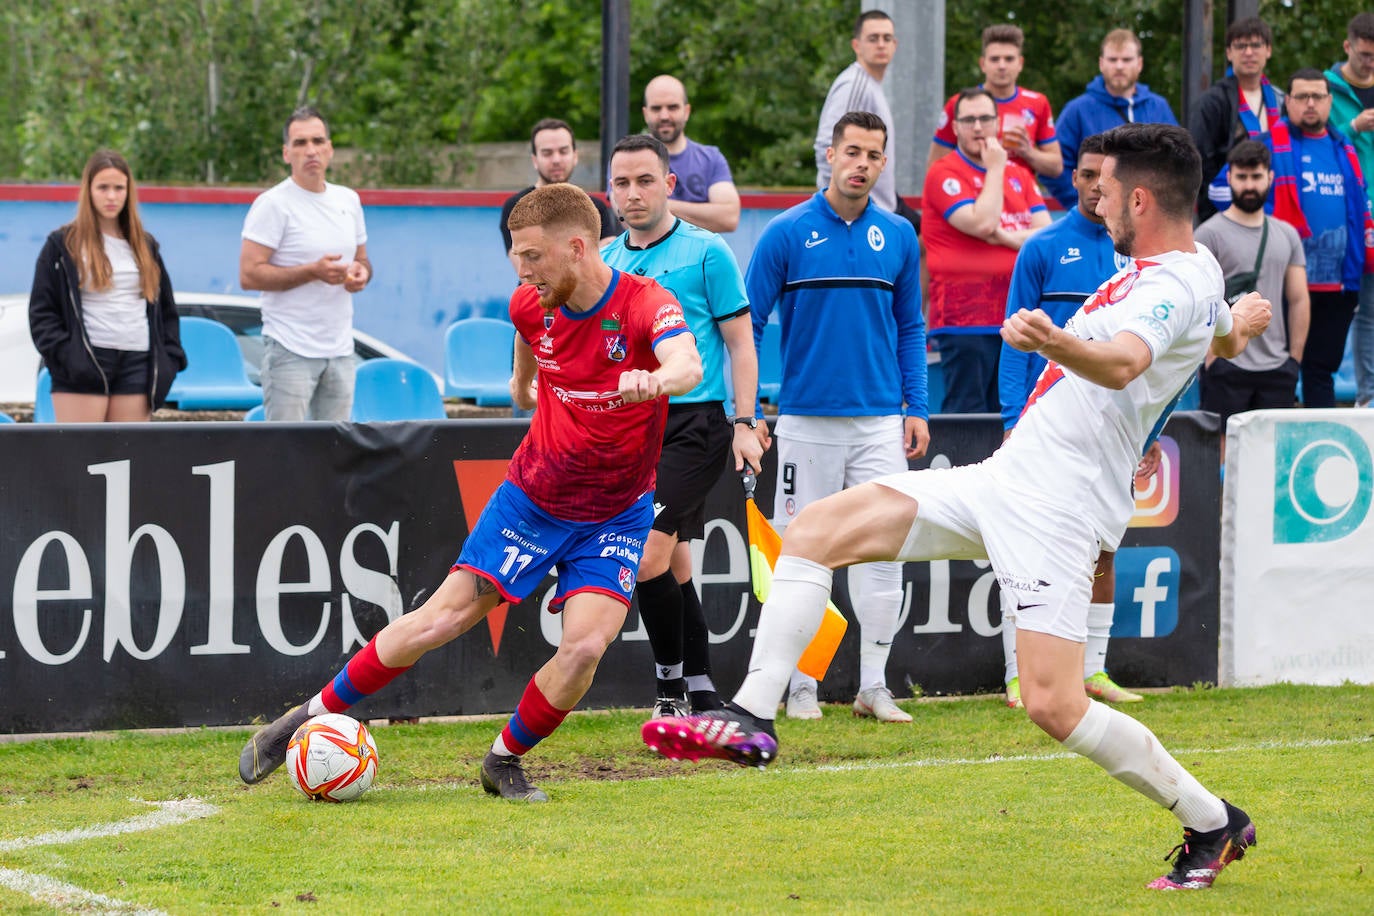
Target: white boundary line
{"type": "Point", "coordinates": [69, 897]}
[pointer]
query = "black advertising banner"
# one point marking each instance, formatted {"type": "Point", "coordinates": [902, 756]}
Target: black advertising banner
{"type": "Point", "coordinates": [210, 573]}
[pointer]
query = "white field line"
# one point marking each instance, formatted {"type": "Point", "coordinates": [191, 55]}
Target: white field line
{"type": "Point", "coordinates": [69, 897]}
{"type": "Point", "coordinates": [1067, 755]}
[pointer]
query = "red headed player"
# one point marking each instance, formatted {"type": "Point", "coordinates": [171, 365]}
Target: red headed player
{"type": "Point", "coordinates": [608, 348]}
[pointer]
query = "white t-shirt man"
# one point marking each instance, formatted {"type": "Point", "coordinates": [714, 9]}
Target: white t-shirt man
{"type": "Point", "coordinates": [314, 319]}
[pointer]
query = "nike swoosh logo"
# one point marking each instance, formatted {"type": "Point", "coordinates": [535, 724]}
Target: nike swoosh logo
{"type": "Point", "coordinates": [1027, 607]}
{"type": "Point", "coordinates": [812, 243]}
{"type": "Point", "coordinates": [1067, 260]}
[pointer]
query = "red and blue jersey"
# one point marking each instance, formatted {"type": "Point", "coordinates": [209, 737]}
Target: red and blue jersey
{"type": "Point", "coordinates": [1030, 107]}
{"type": "Point", "coordinates": [969, 277]}
{"type": "Point", "coordinates": [589, 455]}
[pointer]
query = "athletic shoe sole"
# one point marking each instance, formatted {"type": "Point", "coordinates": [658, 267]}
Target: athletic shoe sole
{"type": "Point", "coordinates": [700, 738]}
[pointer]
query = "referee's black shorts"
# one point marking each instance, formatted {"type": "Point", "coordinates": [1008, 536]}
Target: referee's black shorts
{"type": "Point", "coordinates": [696, 449]}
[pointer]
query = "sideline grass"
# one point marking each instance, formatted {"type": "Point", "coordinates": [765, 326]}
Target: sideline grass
{"type": "Point", "coordinates": [968, 810]}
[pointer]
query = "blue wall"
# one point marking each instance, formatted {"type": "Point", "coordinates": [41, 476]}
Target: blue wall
{"type": "Point", "coordinates": [434, 264]}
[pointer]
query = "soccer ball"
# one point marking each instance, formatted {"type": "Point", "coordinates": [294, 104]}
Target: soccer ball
{"type": "Point", "coordinates": [332, 758]}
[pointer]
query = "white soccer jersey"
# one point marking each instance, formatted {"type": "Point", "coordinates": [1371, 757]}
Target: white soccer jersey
{"type": "Point", "coordinates": [1077, 444]}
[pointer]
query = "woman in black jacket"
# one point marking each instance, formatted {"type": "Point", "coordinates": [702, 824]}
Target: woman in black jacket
{"type": "Point", "coordinates": [101, 310]}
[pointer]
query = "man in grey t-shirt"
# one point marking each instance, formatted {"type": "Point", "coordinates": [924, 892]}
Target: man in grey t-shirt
{"type": "Point", "coordinates": [1266, 373]}
{"type": "Point", "coordinates": [859, 87]}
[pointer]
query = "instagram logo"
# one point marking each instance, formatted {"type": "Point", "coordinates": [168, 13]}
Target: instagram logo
{"type": "Point", "coordinates": [1156, 501]}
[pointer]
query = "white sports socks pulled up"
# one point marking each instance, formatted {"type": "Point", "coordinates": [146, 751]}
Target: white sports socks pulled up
{"type": "Point", "coordinates": [1132, 754]}
{"type": "Point", "coordinates": [789, 620]}
{"type": "Point", "coordinates": [1100, 614]}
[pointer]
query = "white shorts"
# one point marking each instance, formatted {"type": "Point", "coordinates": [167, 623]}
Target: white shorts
{"type": "Point", "coordinates": [1043, 555]}
{"type": "Point", "coordinates": [818, 456]}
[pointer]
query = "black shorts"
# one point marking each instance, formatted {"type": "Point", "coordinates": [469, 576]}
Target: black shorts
{"type": "Point", "coordinates": [1228, 389]}
{"type": "Point", "coordinates": [696, 448]}
{"type": "Point", "coordinates": [126, 371]}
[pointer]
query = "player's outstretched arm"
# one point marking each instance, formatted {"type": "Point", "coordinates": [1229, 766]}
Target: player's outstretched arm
{"type": "Point", "coordinates": [1110, 363]}
{"type": "Point", "coordinates": [1249, 317]}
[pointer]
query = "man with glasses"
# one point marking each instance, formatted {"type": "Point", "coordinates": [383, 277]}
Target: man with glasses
{"type": "Point", "coordinates": [1352, 113]}
{"type": "Point", "coordinates": [979, 208]}
{"type": "Point", "coordinates": [859, 87]}
{"type": "Point", "coordinates": [1320, 191]}
{"type": "Point", "coordinates": [1236, 107]}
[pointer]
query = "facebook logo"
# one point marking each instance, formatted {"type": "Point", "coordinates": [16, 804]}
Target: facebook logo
{"type": "Point", "coordinates": [1147, 583]}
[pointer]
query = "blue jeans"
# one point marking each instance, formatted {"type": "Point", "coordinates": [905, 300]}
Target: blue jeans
{"type": "Point", "coordinates": [1364, 343]}
{"type": "Point", "coordinates": [296, 388]}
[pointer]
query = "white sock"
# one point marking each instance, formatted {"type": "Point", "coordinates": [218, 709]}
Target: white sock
{"type": "Point", "coordinates": [668, 672]}
{"type": "Point", "coordinates": [1132, 754]}
{"type": "Point", "coordinates": [1008, 637]}
{"type": "Point", "coordinates": [875, 590]}
{"type": "Point", "coordinates": [790, 618]}
{"type": "Point", "coordinates": [799, 680]}
{"type": "Point", "coordinates": [316, 705]}
{"type": "Point", "coordinates": [1099, 632]}
{"type": "Point", "coordinates": [499, 748]}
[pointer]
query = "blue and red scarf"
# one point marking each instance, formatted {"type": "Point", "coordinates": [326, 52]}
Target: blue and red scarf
{"type": "Point", "coordinates": [1285, 202]}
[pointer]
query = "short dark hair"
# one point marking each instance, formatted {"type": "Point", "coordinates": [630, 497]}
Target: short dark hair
{"type": "Point", "coordinates": [972, 92]}
{"type": "Point", "coordinates": [1308, 73]}
{"type": "Point", "coordinates": [1249, 154]}
{"type": "Point", "coordinates": [636, 142]}
{"type": "Point", "coordinates": [550, 124]}
{"type": "Point", "coordinates": [864, 17]}
{"type": "Point", "coordinates": [1091, 146]}
{"type": "Point", "coordinates": [1162, 159]}
{"type": "Point", "coordinates": [1003, 34]}
{"type": "Point", "coordinates": [864, 120]}
{"type": "Point", "coordinates": [1361, 28]}
{"type": "Point", "coordinates": [1250, 27]}
{"type": "Point", "coordinates": [303, 113]}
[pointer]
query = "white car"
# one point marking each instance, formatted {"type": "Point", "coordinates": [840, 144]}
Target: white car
{"type": "Point", "coordinates": [243, 314]}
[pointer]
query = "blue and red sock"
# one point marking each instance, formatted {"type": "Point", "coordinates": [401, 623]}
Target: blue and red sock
{"type": "Point", "coordinates": [362, 676]}
{"type": "Point", "coordinates": [534, 720]}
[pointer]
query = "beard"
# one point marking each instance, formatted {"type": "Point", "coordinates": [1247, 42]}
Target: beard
{"type": "Point", "coordinates": [1123, 237]}
{"type": "Point", "coordinates": [558, 292]}
{"type": "Point", "coordinates": [1249, 201]}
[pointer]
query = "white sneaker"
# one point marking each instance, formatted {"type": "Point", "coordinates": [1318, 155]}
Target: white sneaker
{"type": "Point", "coordinates": [876, 702]}
{"type": "Point", "coordinates": [801, 704]}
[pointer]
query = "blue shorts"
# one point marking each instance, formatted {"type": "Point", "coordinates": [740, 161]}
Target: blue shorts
{"type": "Point", "coordinates": [515, 544]}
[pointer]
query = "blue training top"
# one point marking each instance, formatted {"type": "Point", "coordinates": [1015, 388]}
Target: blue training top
{"type": "Point", "coordinates": [849, 299]}
{"type": "Point", "coordinates": [700, 270]}
{"type": "Point", "coordinates": [1057, 269]}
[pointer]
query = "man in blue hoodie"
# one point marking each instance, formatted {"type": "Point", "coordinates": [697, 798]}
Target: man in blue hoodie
{"type": "Point", "coordinates": [1113, 98]}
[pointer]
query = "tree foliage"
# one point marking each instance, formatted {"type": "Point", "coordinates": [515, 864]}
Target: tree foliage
{"type": "Point", "coordinates": [197, 90]}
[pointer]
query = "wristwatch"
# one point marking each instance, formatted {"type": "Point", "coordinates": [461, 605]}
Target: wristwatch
{"type": "Point", "coordinates": [751, 422]}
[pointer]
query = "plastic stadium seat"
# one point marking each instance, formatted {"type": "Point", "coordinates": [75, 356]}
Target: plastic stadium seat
{"type": "Point", "coordinates": [257, 414]}
{"type": "Point", "coordinates": [477, 360]}
{"type": "Point", "coordinates": [394, 389]}
{"type": "Point", "coordinates": [42, 399]}
{"type": "Point", "coordinates": [770, 363]}
{"type": "Point", "coordinates": [214, 378]}
{"type": "Point", "coordinates": [5, 418]}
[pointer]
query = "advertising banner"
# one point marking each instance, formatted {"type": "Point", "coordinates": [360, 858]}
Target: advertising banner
{"type": "Point", "coordinates": [212, 573]}
{"type": "Point", "coordinates": [1298, 548]}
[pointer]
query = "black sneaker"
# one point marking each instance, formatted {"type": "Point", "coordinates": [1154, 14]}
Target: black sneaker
{"type": "Point", "coordinates": [670, 707]}
{"type": "Point", "coordinates": [266, 750]}
{"type": "Point", "coordinates": [1202, 856]}
{"type": "Point", "coordinates": [504, 776]}
{"type": "Point", "coordinates": [724, 734]}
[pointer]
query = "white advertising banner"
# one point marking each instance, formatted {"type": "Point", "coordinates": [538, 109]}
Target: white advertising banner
{"type": "Point", "coordinates": [1297, 548]}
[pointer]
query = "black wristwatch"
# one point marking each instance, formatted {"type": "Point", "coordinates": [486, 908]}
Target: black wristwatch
{"type": "Point", "coordinates": [751, 422]}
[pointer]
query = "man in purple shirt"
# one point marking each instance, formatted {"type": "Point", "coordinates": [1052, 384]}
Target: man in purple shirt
{"type": "Point", "coordinates": [705, 194]}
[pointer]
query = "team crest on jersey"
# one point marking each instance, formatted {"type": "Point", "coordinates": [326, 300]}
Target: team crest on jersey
{"type": "Point", "coordinates": [615, 347]}
{"type": "Point", "coordinates": [876, 241]}
{"type": "Point", "coordinates": [1120, 260]}
{"type": "Point", "coordinates": [1015, 184]}
{"type": "Point", "coordinates": [944, 120]}
{"type": "Point", "coordinates": [950, 186]}
{"type": "Point", "coordinates": [627, 580]}
{"type": "Point", "coordinates": [1028, 116]}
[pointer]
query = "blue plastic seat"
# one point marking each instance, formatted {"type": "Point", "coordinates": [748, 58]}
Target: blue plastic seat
{"type": "Point", "coordinates": [42, 398]}
{"type": "Point", "coordinates": [5, 418]}
{"type": "Point", "coordinates": [477, 360]}
{"type": "Point", "coordinates": [394, 389]}
{"type": "Point", "coordinates": [215, 377]}
{"type": "Point", "coordinates": [770, 363]}
{"type": "Point", "coordinates": [256, 414]}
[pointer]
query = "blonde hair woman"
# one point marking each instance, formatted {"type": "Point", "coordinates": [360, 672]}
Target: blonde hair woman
{"type": "Point", "coordinates": [101, 311]}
